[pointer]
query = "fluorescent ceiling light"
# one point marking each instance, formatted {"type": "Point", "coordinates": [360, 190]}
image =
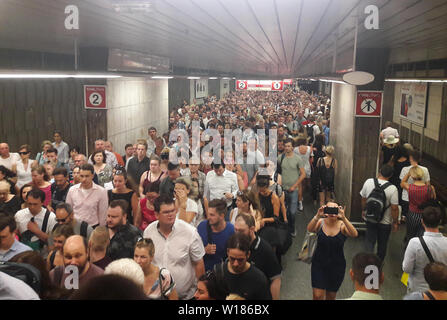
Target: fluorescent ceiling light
{"type": "Point", "coordinates": [55, 76]}
{"type": "Point", "coordinates": [213, 78]}
{"type": "Point", "coordinates": [162, 77]}
{"type": "Point", "coordinates": [225, 78]}
{"type": "Point", "coordinates": [193, 78]}
{"type": "Point", "coordinates": [333, 81]}
{"type": "Point", "coordinates": [416, 80]}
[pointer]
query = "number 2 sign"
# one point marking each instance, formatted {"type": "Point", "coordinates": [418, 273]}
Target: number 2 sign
{"type": "Point", "coordinates": [95, 97]}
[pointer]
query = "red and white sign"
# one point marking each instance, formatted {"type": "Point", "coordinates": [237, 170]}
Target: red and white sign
{"type": "Point", "coordinates": [277, 85]}
{"type": "Point", "coordinates": [260, 85]}
{"type": "Point", "coordinates": [369, 104]}
{"type": "Point", "coordinates": [241, 85]}
{"type": "Point", "coordinates": [288, 81]}
{"type": "Point", "coordinates": [95, 97]}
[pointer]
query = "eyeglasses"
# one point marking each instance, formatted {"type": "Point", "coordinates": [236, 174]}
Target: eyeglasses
{"type": "Point", "coordinates": [23, 153]}
{"type": "Point", "coordinates": [63, 220]}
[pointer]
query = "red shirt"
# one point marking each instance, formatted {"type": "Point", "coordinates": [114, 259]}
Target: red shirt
{"type": "Point", "coordinates": [417, 195]}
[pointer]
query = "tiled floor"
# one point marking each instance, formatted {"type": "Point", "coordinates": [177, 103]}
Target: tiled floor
{"type": "Point", "coordinates": [296, 281]}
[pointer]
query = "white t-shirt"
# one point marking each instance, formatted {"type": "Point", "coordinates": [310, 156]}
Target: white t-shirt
{"type": "Point", "coordinates": [390, 132]}
{"type": "Point", "coordinates": [24, 216]}
{"type": "Point", "coordinates": [10, 161]}
{"type": "Point", "coordinates": [391, 193]}
{"type": "Point", "coordinates": [191, 206]}
{"type": "Point", "coordinates": [404, 172]}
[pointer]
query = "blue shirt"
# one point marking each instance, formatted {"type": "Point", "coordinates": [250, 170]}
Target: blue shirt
{"type": "Point", "coordinates": [326, 131]}
{"type": "Point", "coordinates": [16, 248]}
{"type": "Point", "coordinates": [219, 239]}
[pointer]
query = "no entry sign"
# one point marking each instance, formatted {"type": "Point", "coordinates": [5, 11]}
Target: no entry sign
{"type": "Point", "coordinates": [369, 104]}
{"type": "Point", "coordinates": [95, 97]}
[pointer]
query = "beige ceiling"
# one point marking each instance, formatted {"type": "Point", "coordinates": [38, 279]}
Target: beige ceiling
{"type": "Point", "coordinates": [275, 37]}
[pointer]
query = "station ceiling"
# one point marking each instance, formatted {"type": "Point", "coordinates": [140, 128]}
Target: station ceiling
{"type": "Point", "coordinates": [259, 37]}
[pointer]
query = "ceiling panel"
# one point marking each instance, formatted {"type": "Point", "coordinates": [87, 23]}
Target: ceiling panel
{"type": "Point", "coordinates": [274, 37]}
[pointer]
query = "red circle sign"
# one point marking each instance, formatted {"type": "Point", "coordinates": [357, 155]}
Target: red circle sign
{"type": "Point", "coordinates": [369, 104]}
{"type": "Point", "coordinates": [95, 97]}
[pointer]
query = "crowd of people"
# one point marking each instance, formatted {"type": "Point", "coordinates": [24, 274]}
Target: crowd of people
{"type": "Point", "coordinates": [164, 224]}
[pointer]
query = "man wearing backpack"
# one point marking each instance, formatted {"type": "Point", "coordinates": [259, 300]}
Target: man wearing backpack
{"type": "Point", "coordinates": [312, 130]}
{"type": "Point", "coordinates": [431, 247]}
{"type": "Point", "coordinates": [380, 209]}
{"type": "Point", "coordinates": [65, 215]}
{"type": "Point", "coordinates": [35, 222]}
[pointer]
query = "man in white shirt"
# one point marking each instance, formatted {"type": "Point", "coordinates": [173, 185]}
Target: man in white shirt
{"type": "Point", "coordinates": [220, 184]}
{"type": "Point", "coordinates": [388, 131]}
{"type": "Point", "coordinates": [416, 258]}
{"type": "Point", "coordinates": [7, 159]}
{"type": "Point", "coordinates": [35, 223]}
{"type": "Point", "coordinates": [380, 232]}
{"type": "Point", "coordinates": [178, 247]}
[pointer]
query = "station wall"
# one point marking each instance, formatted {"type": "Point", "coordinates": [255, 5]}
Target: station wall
{"type": "Point", "coordinates": [135, 104]}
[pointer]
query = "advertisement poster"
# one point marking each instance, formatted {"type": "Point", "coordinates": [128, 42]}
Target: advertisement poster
{"type": "Point", "coordinates": [413, 103]}
{"type": "Point", "coordinates": [201, 88]}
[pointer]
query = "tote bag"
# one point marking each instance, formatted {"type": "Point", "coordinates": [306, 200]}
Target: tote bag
{"type": "Point", "coordinates": [308, 247]}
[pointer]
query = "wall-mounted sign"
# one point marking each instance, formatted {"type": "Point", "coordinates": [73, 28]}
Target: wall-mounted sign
{"type": "Point", "coordinates": [413, 102]}
{"type": "Point", "coordinates": [369, 104]}
{"type": "Point", "coordinates": [95, 97]}
{"type": "Point", "coordinates": [260, 85]}
{"type": "Point", "coordinates": [241, 85]}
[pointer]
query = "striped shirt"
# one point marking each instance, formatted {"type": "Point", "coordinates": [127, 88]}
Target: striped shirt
{"type": "Point", "coordinates": [417, 196]}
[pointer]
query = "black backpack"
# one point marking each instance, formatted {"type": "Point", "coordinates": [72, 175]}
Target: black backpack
{"type": "Point", "coordinates": [376, 202]}
{"type": "Point", "coordinates": [310, 133]}
{"type": "Point", "coordinates": [279, 166]}
{"type": "Point", "coordinates": [23, 271]}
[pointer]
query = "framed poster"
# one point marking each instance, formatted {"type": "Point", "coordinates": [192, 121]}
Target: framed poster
{"type": "Point", "coordinates": [413, 102]}
{"type": "Point", "coordinates": [201, 88]}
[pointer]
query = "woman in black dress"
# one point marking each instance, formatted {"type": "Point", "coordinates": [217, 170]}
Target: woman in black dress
{"type": "Point", "coordinates": [270, 206]}
{"type": "Point", "coordinates": [328, 262]}
{"type": "Point", "coordinates": [124, 190]}
{"type": "Point", "coordinates": [9, 203]}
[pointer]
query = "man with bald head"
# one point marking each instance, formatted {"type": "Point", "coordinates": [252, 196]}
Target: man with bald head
{"type": "Point", "coordinates": [7, 159]}
{"type": "Point", "coordinates": [75, 259]}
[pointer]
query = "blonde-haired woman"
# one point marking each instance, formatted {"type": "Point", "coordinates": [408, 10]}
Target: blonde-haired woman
{"type": "Point", "coordinates": [418, 193]}
{"type": "Point", "coordinates": [158, 283]}
{"type": "Point", "coordinates": [327, 168]}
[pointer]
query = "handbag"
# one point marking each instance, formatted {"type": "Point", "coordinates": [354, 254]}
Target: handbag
{"type": "Point", "coordinates": [284, 236]}
{"type": "Point", "coordinates": [308, 248]}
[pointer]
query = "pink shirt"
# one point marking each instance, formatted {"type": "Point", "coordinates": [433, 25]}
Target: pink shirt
{"type": "Point", "coordinates": [90, 207]}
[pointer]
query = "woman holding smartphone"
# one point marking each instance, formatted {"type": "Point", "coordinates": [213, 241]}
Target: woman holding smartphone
{"type": "Point", "coordinates": [328, 262]}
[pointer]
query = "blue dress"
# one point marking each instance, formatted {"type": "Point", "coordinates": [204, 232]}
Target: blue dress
{"type": "Point", "coordinates": [328, 263]}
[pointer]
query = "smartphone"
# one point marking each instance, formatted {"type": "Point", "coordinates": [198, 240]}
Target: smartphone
{"type": "Point", "coordinates": [331, 210]}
